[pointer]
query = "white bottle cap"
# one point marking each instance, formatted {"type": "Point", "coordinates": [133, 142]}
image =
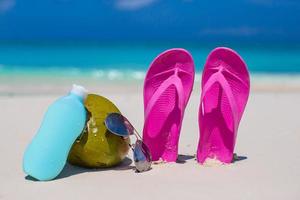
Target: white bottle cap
{"type": "Point", "coordinates": [79, 91]}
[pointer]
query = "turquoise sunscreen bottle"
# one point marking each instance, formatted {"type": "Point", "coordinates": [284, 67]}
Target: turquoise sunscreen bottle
{"type": "Point", "coordinates": [46, 155]}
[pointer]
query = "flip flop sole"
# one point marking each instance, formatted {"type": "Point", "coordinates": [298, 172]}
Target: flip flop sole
{"type": "Point", "coordinates": [167, 88]}
{"type": "Point", "coordinates": [225, 91]}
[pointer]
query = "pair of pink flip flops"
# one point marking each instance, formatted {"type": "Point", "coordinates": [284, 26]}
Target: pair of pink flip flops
{"type": "Point", "coordinates": [167, 89]}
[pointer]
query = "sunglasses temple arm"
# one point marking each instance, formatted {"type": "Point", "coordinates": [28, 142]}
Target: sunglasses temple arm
{"type": "Point", "coordinates": [137, 134]}
{"type": "Point", "coordinates": [130, 145]}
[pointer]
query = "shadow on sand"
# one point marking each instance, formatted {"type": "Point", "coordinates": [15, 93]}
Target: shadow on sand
{"type": "Point", "coordinates": [183, 158]}
{"type": "Point", "coordinates": [70, 170]}
{"type": "Point", "coordinates": [237, 158]}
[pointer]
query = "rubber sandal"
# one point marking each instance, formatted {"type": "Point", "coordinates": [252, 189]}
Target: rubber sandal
{"type": "Point", "coordinates": [167, 88]}
{"type": "Point", "coordinates": [225, 91]}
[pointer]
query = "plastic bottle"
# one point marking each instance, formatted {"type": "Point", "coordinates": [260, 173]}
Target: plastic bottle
{"type": "Point", "coordinates": [64, 121]}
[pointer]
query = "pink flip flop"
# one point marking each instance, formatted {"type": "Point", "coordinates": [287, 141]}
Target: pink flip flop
{"type": "Point", "coordinates": [225, 90]}
{"type": "Point", "coordinates": [167, 88]}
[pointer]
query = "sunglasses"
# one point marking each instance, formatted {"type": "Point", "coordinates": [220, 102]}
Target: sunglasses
{"type": "Point", "coordinates": [119, 125]}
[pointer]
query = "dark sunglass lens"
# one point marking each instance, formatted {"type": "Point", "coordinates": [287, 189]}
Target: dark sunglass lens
{"type": "Point", "coordinates": [117, 124]}
{"type": "Point", "coordinates": [142, 157]}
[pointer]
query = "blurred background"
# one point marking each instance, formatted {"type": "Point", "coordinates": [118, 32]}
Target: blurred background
{"type": "Point", "coordinates": [117, 39]}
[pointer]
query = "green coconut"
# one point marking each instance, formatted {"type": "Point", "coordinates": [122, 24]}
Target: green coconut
{"type": "Point", "coordinates": [96, 147]}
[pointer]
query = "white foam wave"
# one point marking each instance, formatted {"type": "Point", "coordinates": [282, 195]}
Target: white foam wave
{"type": "Point", "coordinates": [111, 73]}
{"type": "Point", "coordinates": [116, 74]}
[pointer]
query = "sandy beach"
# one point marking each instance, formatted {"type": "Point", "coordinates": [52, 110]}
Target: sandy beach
{"type": "Point", "coordinates": [110, 47]}
{"type": "Point", "coordinates": [268, 145]}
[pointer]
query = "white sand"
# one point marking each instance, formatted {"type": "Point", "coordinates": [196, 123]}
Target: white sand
{"type": "Point", "coordinates": [269, 136]}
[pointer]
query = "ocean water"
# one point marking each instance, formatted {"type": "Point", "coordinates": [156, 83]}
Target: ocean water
{"type": "Point", "coordinates": [129, 61]}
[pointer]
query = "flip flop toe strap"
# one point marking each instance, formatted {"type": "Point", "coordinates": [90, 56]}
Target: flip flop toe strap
{"type": "Point", "coordinates": [218, 77]}
{"type": "Point", "coordinates": [172, 80]}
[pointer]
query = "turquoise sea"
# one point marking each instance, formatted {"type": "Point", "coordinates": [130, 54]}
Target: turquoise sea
{"type": "Point", "coordinates": [129, 61]}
